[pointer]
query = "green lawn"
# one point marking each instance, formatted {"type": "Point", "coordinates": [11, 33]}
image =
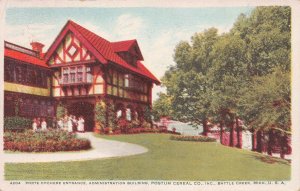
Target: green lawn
{"type": "Point", "coordinates": [166, 160]}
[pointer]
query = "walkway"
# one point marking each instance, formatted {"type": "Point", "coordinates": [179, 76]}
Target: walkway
{"type": "Point", "coordinates": [101, 148]}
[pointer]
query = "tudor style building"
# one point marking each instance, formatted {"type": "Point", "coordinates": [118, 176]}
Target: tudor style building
{"type": "Point", "coordinates": [78, 69]}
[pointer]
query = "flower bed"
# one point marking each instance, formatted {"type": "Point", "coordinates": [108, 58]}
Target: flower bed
{"type": "Point", "coordinates": [47, 141]}
{"type": "Point", "coordinates": [140, 130]}
{"type": "Point", "coordinates": [192, 138]}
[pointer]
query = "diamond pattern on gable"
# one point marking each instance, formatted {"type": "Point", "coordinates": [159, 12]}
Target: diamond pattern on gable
{"type": "Point", "coordinates": [70, 50]}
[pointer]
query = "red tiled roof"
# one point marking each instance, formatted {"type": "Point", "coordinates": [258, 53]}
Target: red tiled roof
{"type": "Point", "coordinates": [125, 46]}
{"type": "Point", "coordinates": [105, 48]}
{"type": "Point", "coordinates": [24, 57]}
{"type": "Point", "coordinates": [145, 71]}
{"type": "Point", "coordinates": [122, 45]}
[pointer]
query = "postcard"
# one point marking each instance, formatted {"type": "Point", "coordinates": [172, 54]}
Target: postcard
{"type": "Point", "coordinates": [130, 95]}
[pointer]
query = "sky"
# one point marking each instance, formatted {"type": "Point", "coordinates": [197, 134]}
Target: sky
{"type": "Point", "coordinates": [157, 30]}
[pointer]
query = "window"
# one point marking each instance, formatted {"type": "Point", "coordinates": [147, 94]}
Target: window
{"type": "Point", "coordinates": [115, 78]}
{"type": "Point", "coordinates": [40, 80]}
{"type": "Point", "coordinates": [89, 76]}
{"type": "Point", "coordinates": [65, 78]}
{"type": "Point", "coordinates": [44, 79]}
{"type": "Point", "coordinates": [79, 74]}
{"type": "Point", "coordinates": [121, 80]}
{"type": "Point", "coordinates": [79, 69]}
{"type": "Point", "coordinates": [126, 80]}
{"type": "Point", "coordinates": [18, 74]}
{"type": "Point", "coordinates": [33, 77]}
{"type": "Point", "coordinates": [73, 70]}
{"type": "Point", "coordinates": [79, 77]}
{"type": "Point", "coordinates": [65, 70]}
{"type": "Point", "coordinates": [88, 69]}
{"type": "Point", "coordinates": [8, 73]}
{"type": "Point", "coordinates": [72, 77]}
{"type": "Point", "coordinates": [76, 74]}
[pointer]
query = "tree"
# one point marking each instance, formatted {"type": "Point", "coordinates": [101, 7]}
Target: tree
{"type": "Point", "coordinates": [162, 106]}
{"type": "Point", "coordinates": [61, 110]}
{"type": "Point", "coordinates": [215, 77]}
{"type": "Point", "coordinates": [187, 81]}
{"type": "Point", "coordinates": [227, 75]}
{"type": "Point", "coordinates": [267, 34]}
{"type": "Point", "coordinates": [267, 101]}
{"type": "Point", "coordinates": [148, 114]}
{"type": "Point", "coordinates": [100, 115]}
{"type": "Point", "coordinates": [111, 116]}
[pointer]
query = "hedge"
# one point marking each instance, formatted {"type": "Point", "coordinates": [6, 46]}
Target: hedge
{"type": "Point", "coordinates": [192, 138]}
{"type": "Point", "coordinates": [16, 123]}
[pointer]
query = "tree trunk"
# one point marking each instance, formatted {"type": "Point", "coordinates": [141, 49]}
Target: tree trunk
{"type": "Point", "coordinates": [231, 134]}
{"type": "Point", "coordinates": [221, 132]}
{"type": "Point", "coordinates": [259, 136]}
{"type": "Point", "coordinates": [253, 139]}
{"type": "Point", "coordinates": [283, 146]}
{"type": "Point", "coordinates": [205, 130]}
{"type": "Point", "coordinates": [238, 133]}
{"type": "Point", "coordinates": [270, 141]}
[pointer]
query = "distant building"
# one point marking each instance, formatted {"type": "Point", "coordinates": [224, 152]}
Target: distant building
{"type": "Point", "coordinates": [78, 69]}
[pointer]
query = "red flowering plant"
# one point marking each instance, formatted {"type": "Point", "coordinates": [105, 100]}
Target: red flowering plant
{"type": "Point", "coordinates": [46, 141]}
{"type": "Point", "coordinates": [122, 125]}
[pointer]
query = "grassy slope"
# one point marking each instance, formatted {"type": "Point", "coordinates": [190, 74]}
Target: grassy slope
{"type": "Point", "coordinates": [166, 160]}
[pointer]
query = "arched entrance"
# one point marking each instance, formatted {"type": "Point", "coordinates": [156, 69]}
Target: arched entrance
{"type": "Point", "coordinates": [84, 109]}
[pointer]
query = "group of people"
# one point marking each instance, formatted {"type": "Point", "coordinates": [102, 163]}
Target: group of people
{"type": "Point", "coordinates": [39, 124]}
{"type": "Point", "coordinates": [68, 123]}
{"type": "Point", "coordinates": [71, 123]}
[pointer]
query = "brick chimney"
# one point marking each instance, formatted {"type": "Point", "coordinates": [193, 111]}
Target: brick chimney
{"type": "Point", "coordinates": [38, 47]}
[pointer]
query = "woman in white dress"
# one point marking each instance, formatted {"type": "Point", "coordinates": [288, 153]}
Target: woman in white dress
{"type": "Point", "coordinates": [65, 123]}
{"type": "Point", "coordinates": [34, 125]}
{"type": "Point", "coordinates": [44, 125]}
{"type": "Point", "coordinates": [60, 123]}
{"type": "Point", "coordinates": [70, 125]}
{"type": "Point", "coordinates": [81, 124]}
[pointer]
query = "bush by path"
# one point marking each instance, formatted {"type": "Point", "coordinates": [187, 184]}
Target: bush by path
{"type": "Point", "coordinates": [192, 138]}
{"type": "Point", "coordinates": [47, 141]}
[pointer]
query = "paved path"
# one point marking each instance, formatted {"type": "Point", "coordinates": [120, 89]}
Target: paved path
{"type": "Point", "coordinates": [101, 148]}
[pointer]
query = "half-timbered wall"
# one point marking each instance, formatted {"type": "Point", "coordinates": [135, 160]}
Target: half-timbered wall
{"type": "Point", "coordinates": [76, 72]}
{"type": "Point", "coordinates": [129, 86]}
{"type": "Point", "coordinates": [70, 50]}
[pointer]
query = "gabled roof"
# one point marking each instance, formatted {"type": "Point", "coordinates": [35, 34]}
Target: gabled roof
{"type": "Point", "coordinates": [101, 48]}
{"type": "Point", "coordinates": [121, 46]}
{"type": "Point", "coordinates": [126, 46]}
{"type": "Point", "coordinates": [24, 57]}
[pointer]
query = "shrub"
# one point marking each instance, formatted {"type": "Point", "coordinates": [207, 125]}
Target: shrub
{"type": "Point", "coordinates": [47, 141]}
{"type": "Point", "coordinates": [192, 138]}
{"type": "Point", "coordinates": [61, 110]}
{"type": "Point", "coordinates": [146, 124]}
{"type": "Point", "coordinates": [134, 123]}
{"type": "Point", "coordinates": [100, 114]}
{"type": "Point", "coordinates": [16, 123]}
{"type": "Point", "coordinates": [117, 131]}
